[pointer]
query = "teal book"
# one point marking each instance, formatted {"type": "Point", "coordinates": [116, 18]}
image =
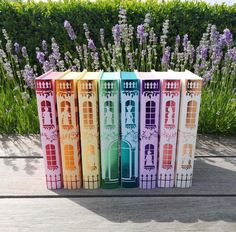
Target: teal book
{"type": "Point", "coordinates": [129, 129]}
{"type": "Point", "coordinates": [109, 128]}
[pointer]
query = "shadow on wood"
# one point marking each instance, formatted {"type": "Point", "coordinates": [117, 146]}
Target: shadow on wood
{"type": "Point", "coordinates": [213, 206]}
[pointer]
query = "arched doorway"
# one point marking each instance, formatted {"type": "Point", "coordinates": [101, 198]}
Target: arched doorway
{"type": "Point", "coordinates": [127, 160]}
{"type": "Point", "coordinates": [111, 166]}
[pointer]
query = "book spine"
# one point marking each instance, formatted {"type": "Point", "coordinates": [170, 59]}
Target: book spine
{"type": "Point", "coordinates": [88, 114]}
{"type": "Point", "coordinates": [187, 132]}
{"type": "Point", "coordinates": [46, 102]}
{"type": "Point", "coordinates": [109, 132]}
{"type": "Point", "coordinates": [129, 132]}
{"type": "Point", "coordinates": [67, 105]}
{"type": "Point", "coordinates": [169, 113]}
{"type": "Point", "coordinates": [149, 126]}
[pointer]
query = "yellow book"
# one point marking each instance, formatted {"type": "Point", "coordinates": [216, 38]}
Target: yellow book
{"type": "Point", "coordinates": [67, 105]}
{"type": "Point", "coordinates": [88, 114]}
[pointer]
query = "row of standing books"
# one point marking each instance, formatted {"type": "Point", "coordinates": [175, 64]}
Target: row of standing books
{"type": "Point", "coordinates": [104, 129]}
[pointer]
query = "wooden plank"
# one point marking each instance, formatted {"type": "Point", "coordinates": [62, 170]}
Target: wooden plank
{"type": "Point", "coordinates": [19, 145]}
{"type": "Point", "coordinates": [23, 146]}
{"type": "Point", "coordinates": [213, 145]}
{"type": "Point", "coordinates": [20, 177]}
{"type": "Point", "coordinates": [118, 214]}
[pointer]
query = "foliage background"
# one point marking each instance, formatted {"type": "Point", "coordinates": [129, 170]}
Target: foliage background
{"type": "Point", "coordinates": [29, 23]}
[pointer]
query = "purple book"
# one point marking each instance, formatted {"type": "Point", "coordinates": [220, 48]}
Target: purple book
{"type": "Point", "coordinates": [149, 124]}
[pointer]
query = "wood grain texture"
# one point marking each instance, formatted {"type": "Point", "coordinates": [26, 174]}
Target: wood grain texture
{"type": "Point", "coordinates": [21, 146]}
{"type": "Point", "coordinates": [18, 146]}
{"type": "Point", "coordinates": [118, 214]}
{"type": "Point", "coordinates": [20, 177]}
{"type": "Point", "coordinates": [210, 205]}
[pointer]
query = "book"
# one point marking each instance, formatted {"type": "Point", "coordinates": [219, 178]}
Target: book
{"type": "Point", "coordinates": [89, 127]}
{"type": "Point", "coordinates": [109, 128]}
{"type": "Point", "coordinates": [129, 129]}
{"type": "Point", "coordinates": [169, 114]}
{"type": "Point", "coordinates": [67, 104]}
{"type": "Point", "coordinates": [149, 129]}
{"type": "Point", "coordinates": [47, 112]}
{"type": "Point", "coordinates": [187, 129]}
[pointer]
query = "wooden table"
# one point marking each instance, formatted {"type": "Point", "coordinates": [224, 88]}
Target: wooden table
{"type": "Point", "coordinates": [26, 205]}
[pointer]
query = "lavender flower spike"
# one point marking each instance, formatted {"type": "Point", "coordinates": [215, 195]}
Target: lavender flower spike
{"type": "Point", "coordinates": [24, 52]}
{"type": "Point", "coordinates": [70, 30]}
{"type": "Point", "coordinates": [227, 37]}
{"type": "Point", "coordinates": [166, 56]}
{"type": "Point", "coordinates": [141, 33]}
{"type": "Point", "coordinates": [185, 42]}
{"type": "Point", "coordinates": [91, 45]}
{"type": "Point", "coordinates": [40, 56]}
{"type": "Point", "coordinates": [17, 47]}
{"type": "Point", "coordinates": [116, 32]}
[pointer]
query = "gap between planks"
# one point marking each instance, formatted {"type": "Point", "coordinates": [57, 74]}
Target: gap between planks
{"type": "Point", "coordinates": [116, 196]}
{"type": "Point", "coordinates": [41, 157]}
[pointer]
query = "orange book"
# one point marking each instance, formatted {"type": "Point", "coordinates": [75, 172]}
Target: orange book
{"type": "Point", "coordinates": [68, 116]}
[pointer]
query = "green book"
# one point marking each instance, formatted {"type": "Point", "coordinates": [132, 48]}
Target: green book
{"type": "Point", "coordinates": [109, 128]}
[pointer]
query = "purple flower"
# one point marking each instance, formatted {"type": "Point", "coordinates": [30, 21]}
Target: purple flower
{"type": "Point", "coordinates": [131, 61]}
{"type": "Point", "coordinates": [204, 52]}
{"type": "Point", "coordinates": [24, 52]}
{"type": "Point", "coordinates": [55, 50]}
{"type": "Point", "coordinates": [141, 33]}
{"type": "Point", "coordinates": [214, 36]}
{"type": "Point", "coordinates": [227, 37]}
{"type": "Point", "coordinates": [74, 68]}
{"type": "Point", "coordinates": [40, 56]}
{"type": "Point", "coordinates": [185, 42]}
{"type": "Point", "coordinates": [166, 56]}
{"type": "Point", "coordinates": [95, 60]}
{"type": "Point", "coordinates": [116, 32]}
{"type": "Point", "coordinates": [217, 53]}
{"type": "Point", "coordinates": [91, 45]}
{"type": "Point", "coordinates": [202, 66]}
{"type": "Point", "coordinates": [70, 30]}
{"type": "Point", "coordinates": [29, 76]}
{"type": "Point", "coordinates": [207, 76]}
{"type": "Point", "coordinates": [231, 54]}
{"type": "Point", "coordinates": [46, 66]}
{"type": "Point", "coordinates": [17, 47]}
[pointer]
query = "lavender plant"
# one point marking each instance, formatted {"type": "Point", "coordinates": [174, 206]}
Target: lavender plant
{"type": "Point", "coordinates": [18, 104]}
{"type": "Point", "coordinates": [214, 59]}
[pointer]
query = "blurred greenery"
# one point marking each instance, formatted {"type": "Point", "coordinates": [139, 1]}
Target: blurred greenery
{"type": "Point", "coordinates": [31, 22]}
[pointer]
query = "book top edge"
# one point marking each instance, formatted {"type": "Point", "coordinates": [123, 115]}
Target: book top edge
{"type": "Point", "coordinates": [185, 75]}
{"type": "Point", "coordinates": [51, 75]}
{"type": "Point", "coordinates": [91, 76]}
{"type": "Point", "coordinates": [71, 76]}
{"type": "Point", "coordinates": [110, 76]}
{"type": "Point", "coordinates": [147, 76]}
{"type": "Point", "coordinates": [128, 76]}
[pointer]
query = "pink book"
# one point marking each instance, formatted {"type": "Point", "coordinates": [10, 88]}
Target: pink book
{"type": "Point", "coordinates": [46, 101]}
{"type": "Point", "coordinates": [169, 113]}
